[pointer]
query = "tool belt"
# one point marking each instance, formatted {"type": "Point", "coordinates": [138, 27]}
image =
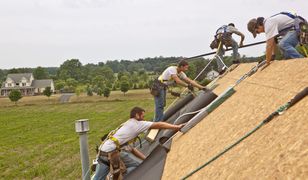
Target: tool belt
{"type": "Point", "coordinates": [117, 166]}
{"type": "Point", "coordinates": [103, 158]}
{"type": "Point", "coordinates": [157, 86]}
{"type": "Point", "coordinates": [115, 163]}
{"type": "Point", "coordinates": [225, 39]}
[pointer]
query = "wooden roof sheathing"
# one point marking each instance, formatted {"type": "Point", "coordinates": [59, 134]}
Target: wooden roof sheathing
{"type": "Point", "coordinates": [278, 150]}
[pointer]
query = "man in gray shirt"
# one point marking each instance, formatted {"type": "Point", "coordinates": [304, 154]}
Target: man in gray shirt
{"type": "Point", "coordinates": [224, 35]}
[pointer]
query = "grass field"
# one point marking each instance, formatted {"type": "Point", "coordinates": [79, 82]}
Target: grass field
{"type": "Point", "coordinates": [38, 139]}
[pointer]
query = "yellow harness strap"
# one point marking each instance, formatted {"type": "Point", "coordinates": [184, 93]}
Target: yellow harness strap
{"type": "Point", "coordinates": [305, 50]}
{"type": "Point", "coordinates": [116, 141]}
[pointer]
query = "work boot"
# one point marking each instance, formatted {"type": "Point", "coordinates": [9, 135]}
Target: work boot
{"type": "Point", "coordinates": [223, 70]}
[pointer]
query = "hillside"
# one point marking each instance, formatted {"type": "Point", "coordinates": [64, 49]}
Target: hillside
{"type": "Point", "coordinates": [278, 150]}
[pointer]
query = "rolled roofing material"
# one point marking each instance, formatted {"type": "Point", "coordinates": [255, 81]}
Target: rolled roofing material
{"type": "Point", "coordinates": [151, 168]}
{"type": "Point", "coordinates": [152, 134]}
{"type": "Point", "coordinates": [208, 109]}
{"type": "Point", "coordinates": [203, 99]}
{"type": "Point", "coordinates": [177, 106]}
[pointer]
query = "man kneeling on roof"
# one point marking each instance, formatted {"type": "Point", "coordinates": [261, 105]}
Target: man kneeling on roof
{"type": "Point", "coordinates": [112, 157]}
{"type": "Point", "coordinates": [292, 30]}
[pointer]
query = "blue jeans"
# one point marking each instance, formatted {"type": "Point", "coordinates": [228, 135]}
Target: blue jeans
{"type": "Point", "coordinates": [102, 170]}
{"type": "Point", "coordinates": [160, 102]}
{"type": "Point", "coordinates": [287, 45]}
{"type": "Point", "coordinates": [221, 52]}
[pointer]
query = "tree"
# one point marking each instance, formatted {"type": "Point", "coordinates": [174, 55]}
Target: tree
{"type": "Point", "coordinates": [89, 91]}
{"type": "Point", "coordinates": [123, 73]}
{"type": "Point", "coordinates": [114, 87]}
{"type": "Point", "coordinates": [40, 73]}
{"type": "Point", "coordinates": [106, 92]}
{"type": "Point", "coordinates": [15, 95]}
{"type": "Point", "coordinates": [2, 76]}
{"type": "Point", "coordinates": [143, 75]}
{"type": "Point", "coordinates": [124, 87]}
{"type": "Point", "coordinates": [134, 67]}
{"type": "Point", "coordinates": [99, 92]}
{"type": "Point", "coordinates": [70, 69]}
{"type": "Point", "coordinates": [47, 92]}
{"type": "Point", "coordinates": [134, 77]}
{"type": "Point", "coordinates": [191, 71]}
{"type": "Point", "coordinates": [135, 86]}
{"type": "Point", "coordinates": [78, 91]}
{"type": "Point", "coordinates": [72, 84]}
{"type": "Point", "coordinates": [98, 81]}
{"type": "Point", "coordinates": [59, 84]}
{"type": "Point", "coordinates": [124, 78]}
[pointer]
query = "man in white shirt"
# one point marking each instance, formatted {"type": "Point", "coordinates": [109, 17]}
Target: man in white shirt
{"type": "Point", "coordinates": [121, 137]}
{"type": "Point", "coordinates": [224, 34]}
{"type": "Point", "coordinates": [171, 76]}
{"type": "Point", "coordinates": [282, 24]}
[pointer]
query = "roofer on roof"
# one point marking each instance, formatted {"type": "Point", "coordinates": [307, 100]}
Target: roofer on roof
{"type": "Point", "coordinates": [111, 155]}
{"type": "Point", "coordinates": [171, 76]}
{"type": "Point", "coordinates": [224, 35]}
{"type": "Point", "coordinates": [282, 25]}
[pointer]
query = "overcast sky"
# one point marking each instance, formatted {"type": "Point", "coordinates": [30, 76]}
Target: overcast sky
{"type": "Point", "coordinates": [48, 32]}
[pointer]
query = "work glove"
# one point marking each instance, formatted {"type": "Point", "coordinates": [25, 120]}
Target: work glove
{"type": "Point", "coordinates": [190, 87]}
{"type": "Point", "coordinates": [176, 94]}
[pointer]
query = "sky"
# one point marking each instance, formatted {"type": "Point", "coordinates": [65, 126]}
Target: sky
{"type": "Point", "coordinates": [47, 32]}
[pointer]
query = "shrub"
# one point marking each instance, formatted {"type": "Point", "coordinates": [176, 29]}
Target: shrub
{"type": "Point", "coordinates": [15, 95]}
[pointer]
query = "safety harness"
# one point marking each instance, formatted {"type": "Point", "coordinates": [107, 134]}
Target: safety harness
{"type": "Point", "coordinates": [113, 159]}
{"type": "Point", "coordinates": [300, 26]}
{"type": "Point", "coordinates": [224, 37]}
{"type": "Point", "coordinates": [159, 84]}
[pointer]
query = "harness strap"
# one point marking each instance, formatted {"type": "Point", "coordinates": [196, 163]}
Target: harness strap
{"type": "Point", "coordinates": [116, 142]}
{"type": "Point", "coordinates": [295, 26]}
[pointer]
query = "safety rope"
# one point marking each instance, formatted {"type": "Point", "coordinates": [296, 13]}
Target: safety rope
{"type": "Point", "coordinates": [211, 53]}
{"type": "Point", "coordinates": [185, 114]}
{"type": "Point", "coordinates": [279, 111]}
{"type": "Point", "coordinates": [216, 56]}
{"type": "Point", "coordinates": [251, 72]}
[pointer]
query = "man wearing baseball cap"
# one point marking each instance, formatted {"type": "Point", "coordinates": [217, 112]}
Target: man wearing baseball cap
{"type": "Point", "coordinates": [283, 25]}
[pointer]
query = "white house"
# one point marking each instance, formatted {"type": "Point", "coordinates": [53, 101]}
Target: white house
{"type": "Point", "coordinates": [212, 74]}
{"type": "Point", "coordinates": [26, 83]}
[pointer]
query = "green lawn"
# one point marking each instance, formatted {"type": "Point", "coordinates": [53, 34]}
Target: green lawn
{"type": "Point", "coordinates": [38, 140]}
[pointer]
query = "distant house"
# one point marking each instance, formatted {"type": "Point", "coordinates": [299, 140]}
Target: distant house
{"type": "Point", "coordinates": [212, 74]}
{"type": "Point", "coordinates": [26, 83]}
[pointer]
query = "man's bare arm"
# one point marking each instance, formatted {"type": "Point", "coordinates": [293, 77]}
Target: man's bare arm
{"type": "Point", "coordinates": [194, 83]}
{"type": "Point", "coordinates": [178, 80]}
{"type": "Point", "coordinates": [164, 125]}
{"type": "Point", "coordinates": [138, 154]}
{"type": "Point", "coordinates": [270, 47]}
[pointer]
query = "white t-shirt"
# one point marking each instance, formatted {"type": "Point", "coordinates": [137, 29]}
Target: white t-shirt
{"type": "Point", "coordinates": [274, 24]}
{"type": "Point", "coordinates": [130, 129]}
{"type": "Point", "coordinates": [166, 75]}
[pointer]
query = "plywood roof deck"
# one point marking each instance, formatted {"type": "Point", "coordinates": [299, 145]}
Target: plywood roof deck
{"type": "Point", "coordinates": [279, 150]}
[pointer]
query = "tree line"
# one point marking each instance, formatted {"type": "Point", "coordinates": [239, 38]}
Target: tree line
{"type": "Point", "coordinates": [101, 78]}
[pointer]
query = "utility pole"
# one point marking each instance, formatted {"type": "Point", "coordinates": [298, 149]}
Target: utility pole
{"type": "Point", "coordinates": [82, 127]}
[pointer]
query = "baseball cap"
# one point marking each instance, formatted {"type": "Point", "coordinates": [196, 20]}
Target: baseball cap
{"type": "Point", "coordinates": [251, 26]}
